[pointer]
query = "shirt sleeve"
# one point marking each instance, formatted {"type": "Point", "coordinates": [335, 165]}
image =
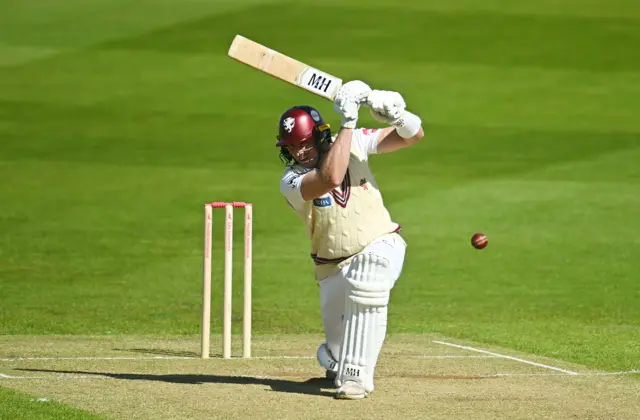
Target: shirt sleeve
{"type": "Point", "coordinates": [290, 187]}
{"type": "Point", "coordinates": [365, 141]}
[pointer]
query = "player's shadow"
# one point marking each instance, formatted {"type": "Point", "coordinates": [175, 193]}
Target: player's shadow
{"type": "Point", "coordinates": [161, 352]}
{"type": "Point", "coordinates": [313, 386]}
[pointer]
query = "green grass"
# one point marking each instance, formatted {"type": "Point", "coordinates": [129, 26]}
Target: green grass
{"type": "Point", "coordinates": [16, 405]}
{"type": "Point", "coordinates": [114, 131]}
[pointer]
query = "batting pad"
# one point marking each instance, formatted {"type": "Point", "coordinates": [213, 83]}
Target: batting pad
{"type": "Point", "coordinates": [325, 358]}
{"type": "Point", "coordinates": [365, 319]}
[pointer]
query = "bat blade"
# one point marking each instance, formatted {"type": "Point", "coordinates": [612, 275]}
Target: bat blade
{"type": "Point", "coordinates": [283, 67]}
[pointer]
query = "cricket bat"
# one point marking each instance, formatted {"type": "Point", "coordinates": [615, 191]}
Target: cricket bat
{"type": "Point", "coordinates": [283, 67]}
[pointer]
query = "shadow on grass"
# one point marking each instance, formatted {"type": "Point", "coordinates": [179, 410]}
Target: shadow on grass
{"type": "Point", "coordinates": [313, 386]}
{"type": "Point", "coordinates": [162, 352]}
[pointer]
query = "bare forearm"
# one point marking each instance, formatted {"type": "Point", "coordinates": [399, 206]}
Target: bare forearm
{"type": "Point", "coordinates": [335, 163]}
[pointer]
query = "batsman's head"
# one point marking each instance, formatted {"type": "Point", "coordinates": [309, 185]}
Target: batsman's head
{"type": "Point", "coordinates": [303, 136]}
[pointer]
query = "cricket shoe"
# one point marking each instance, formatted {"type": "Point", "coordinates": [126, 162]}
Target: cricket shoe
{"type": "Point", "coordinates": [351, 390]}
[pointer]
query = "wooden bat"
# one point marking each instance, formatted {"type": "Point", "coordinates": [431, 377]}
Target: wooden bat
{"type": "Point", "coordinates": [283, 67]}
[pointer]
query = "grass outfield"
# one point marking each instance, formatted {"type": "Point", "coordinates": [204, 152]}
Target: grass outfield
{"type": "Point", "coordinates": [16, 405]}
{"type": "Point", "coordinates": [115, 129]}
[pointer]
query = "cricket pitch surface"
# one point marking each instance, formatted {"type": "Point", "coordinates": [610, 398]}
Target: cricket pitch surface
{"type": "Point", "coordinates": [418, 376]}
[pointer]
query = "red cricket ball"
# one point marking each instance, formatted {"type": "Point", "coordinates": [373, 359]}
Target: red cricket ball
{"type": "Point", "coordinates": [479, 240]}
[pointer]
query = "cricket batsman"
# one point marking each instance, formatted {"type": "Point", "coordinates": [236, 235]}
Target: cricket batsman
{"type": "Point", "coordinates": [355, 244]}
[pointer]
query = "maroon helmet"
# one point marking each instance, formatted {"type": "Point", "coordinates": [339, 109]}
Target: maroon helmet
{"type": "Point", "coordinates": [301, 123]}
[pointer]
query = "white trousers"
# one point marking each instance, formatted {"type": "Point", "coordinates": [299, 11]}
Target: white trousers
{"type": "Point", "coordinates": [333, 289]}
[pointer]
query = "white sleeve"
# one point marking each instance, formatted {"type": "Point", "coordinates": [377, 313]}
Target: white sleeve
{"type": "Point", "coordinates": [365, 141]}
{"type": "Point", "coordinates": [290, 185]}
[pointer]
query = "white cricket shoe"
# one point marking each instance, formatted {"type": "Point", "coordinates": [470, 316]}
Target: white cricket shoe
{"type": "Point", "coordinates": [351, 390]}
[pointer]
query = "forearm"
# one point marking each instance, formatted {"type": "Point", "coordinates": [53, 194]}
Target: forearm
{"type": "Point", "coordinates": [334, 164]}
{"type": "Point", "coordinates": [408, 126]}
{"type": "Point", "coordinates": [347, 104]}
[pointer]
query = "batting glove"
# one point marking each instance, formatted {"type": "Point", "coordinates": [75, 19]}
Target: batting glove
{"type": "Point", "coordinates": [348, 100]}
{"type": "Point", "coordinates": [389, 107]}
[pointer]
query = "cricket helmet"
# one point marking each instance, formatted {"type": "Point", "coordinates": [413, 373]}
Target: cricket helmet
{"type": "Point", "coordinates": [301, 123]}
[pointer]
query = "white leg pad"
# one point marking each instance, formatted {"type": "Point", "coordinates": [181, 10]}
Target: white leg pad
{"type": "Point", "coordinates": [326, 359]}
{"type": "Point", "coordinates": [370, 281]}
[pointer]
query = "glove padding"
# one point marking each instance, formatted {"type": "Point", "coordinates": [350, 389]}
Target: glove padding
{"type": "Point", "coordinates": [386, 106]}
{"type": "Point", "coordinates": [348, 100]}
{"type": "Point", "coordinates": [389, 107]}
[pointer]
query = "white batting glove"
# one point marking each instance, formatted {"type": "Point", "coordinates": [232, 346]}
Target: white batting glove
{"type": "Point", "coordinates": [348, 100]}
{"type": "Point", "coordinates": [386, 106]}
{"type": "Point", "coordinates": [389, 107]}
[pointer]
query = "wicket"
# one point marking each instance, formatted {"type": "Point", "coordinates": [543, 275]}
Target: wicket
{"type": "Point", "coordinates": [228, 260]}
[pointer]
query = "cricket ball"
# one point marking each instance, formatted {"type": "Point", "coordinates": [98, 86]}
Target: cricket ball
{"type": "Point", "coordinates": [479, 240]}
